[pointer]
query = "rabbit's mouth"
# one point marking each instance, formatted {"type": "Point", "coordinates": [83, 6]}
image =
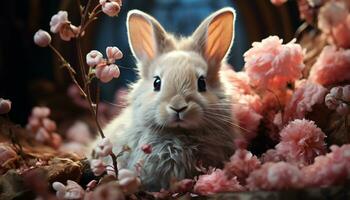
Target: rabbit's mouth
{"type": "Point", "coordinates": [186, 120]}
{"type": "Point", "coordinates": [177, 121]}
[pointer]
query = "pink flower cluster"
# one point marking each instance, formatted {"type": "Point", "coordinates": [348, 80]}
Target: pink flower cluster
{"type": "Point", "coordinates": [261, 99]}
{"type": "Point", "coordinates": [330, 169]}
{"type": "Point", "coordinates": [43, 128]}
{"type": "Point", "coordinates": [103, 149]}
{"type": "Point", "coordinates": [275, 176]}
{"type": "Point", "coordinates": [105, 69]}
{"type": "Point", "coordinates": [334, 20]}
{"type": "Point", "coordinates": [271, 64]}
{"type": "Point", "coordinates": [301, 141]}
{"type": "Point", "coordinates": [215, 182]}
{"type": "Point", "coordinates": [339, 99]}
{"type": "Point", "coordinates": [331, 67]}
{"type": "Point", "coordinates": [303, 99]}
{"type": "Point", "coordinates": [246, 107]}
{"type": "Point", "coordinates": [241, 164]}
{"type": "Point", "coordinates": [128, 183]}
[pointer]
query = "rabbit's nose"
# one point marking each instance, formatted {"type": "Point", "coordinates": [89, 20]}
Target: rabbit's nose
{"type": "Point", "coordinates": [178, 110]}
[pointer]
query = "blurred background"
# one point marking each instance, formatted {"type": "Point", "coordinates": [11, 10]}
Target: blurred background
{"type": "Point", "coordinates": [30, 75]}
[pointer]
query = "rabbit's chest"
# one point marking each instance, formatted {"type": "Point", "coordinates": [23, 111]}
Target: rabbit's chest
{"type": "Point", "coordinates": [177, 155]}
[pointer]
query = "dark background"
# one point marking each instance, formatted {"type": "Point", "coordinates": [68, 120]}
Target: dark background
{"type": "Point", "coordinates": [29, 75]}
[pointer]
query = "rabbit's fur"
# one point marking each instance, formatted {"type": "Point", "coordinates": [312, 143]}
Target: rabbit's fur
{"type": "Point", "coordinates": [205, 135]}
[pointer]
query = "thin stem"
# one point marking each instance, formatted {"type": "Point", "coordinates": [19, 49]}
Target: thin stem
{"type": "Point", "coordinates": [86, 12]}
{"type": "Point", "coordinates": [71, 71]}
{"type": "Point", "coordinates": [91, 19]}
{"type": "Point", "coordinates": [94, 10]}
{"type": "Point", "coordinates": [57, 53]}
{"type": "Point", "coordinates": [93, 107]}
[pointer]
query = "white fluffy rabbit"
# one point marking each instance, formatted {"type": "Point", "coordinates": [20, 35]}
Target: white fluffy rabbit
{"type": "Point", "coordinates": [178, 105]}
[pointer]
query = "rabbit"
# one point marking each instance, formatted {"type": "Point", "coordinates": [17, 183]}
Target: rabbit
{"type": "Point", "coordinates": [179, 104]}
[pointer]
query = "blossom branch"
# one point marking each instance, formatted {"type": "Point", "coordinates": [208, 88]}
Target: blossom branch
{"type": "Point", "coordinates": [103, 69]}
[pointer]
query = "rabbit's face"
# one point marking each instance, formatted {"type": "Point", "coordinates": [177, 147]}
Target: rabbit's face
{"type": "Point", "coordinates": [179, 85]}
{"type": "Point", "coordinates": [182, 94]}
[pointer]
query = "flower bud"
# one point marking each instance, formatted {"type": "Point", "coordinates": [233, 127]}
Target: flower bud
{"type": "Point", "coordinates": [42, 38]}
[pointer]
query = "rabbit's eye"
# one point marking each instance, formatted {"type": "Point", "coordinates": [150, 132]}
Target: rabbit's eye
{"type": "Point", "coordinates": [156, 83]}
{"type": "Point", "coordinates": [201, 84]}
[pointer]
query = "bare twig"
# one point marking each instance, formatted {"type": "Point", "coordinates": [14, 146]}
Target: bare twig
{"type": "Point", "coordinates": [71, 71]}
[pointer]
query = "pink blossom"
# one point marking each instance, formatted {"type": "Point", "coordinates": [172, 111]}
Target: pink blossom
{"type": "Point", "coordinates": [331, 67]}
{"type": "Point", "coordinates": [60, 24]}
{"type": "Point", "coordinates": [330, 169]}
{"type": "Point", "coordinates": [5, 106]}
{"type": "Point", "coordinates": [113, 54]}
{"type": "Point", "coordinates": [41, 112]}
{"type": "Point", "coordinates": [247, 105]}
{"type": "Point", "coordinates": [104, 148]}
{"type": "Point", "coordinates": [341, 33]}
{"type": "Point", "coordinates": [94, 58]}
{"type": "Point", "coordinates": [107, 72]}
{"type": "Point", "coordinates": [216, 182]}
{"type": "Point", "coordinates": [69, 31]}
{"type": "Point", "coordinates": [110, 170]}
{"type": "Point", "coordinates": [42, 135]}
{"type": "Point", "coordinates": [49, 125]}
{"type": "Point", "coordinates": [237, 81]}
{"type": "Point", "coordinates": [43, 128]}
{"type": "Point", "coordinates": [271, 64]}
{"type": "Point", "coordinates": [71, 191]}
{"type": "Point", "coordinates": [240, 143]}
{"type": "Point", "coordinates": [79, 132]}
{"type": "Point", "coordinates": [91, 185]}
{"type": "Point", "coordinates": [278, 2]}
{"type": "Point", "coordinates": [183, 186]}
{"type": "Point", "coordinates": [55, 140]}
{"type": "Point", "coordinates": [307, 9]}
{"type": "Point", "coordinates": [338, 99]}
{"type": "Point", "coordinates": [241, 164]}
{"type": "Point", "coordinates": [275, 176]}
{"type": "Point", "coordinates": [110, 190]}
{"type": "Point", "coordinates": [333, 20]}
{"type": "Point", "coordinates": [97, 167]}
{"type": "Point", "coordinates": [331, 14]}
{"type": "Point", "coordinates": [74, 147]}
{"type": "Point", "coordinates": [271, 155]}
{"type": "Point", "coordinates": [110, 8]}
{"type": "Point", "coordinates": [42, 38]}
{"type": "Point", "coordinates": [304, 98]}
{"type": "Point", "coordinates": [248, 120]}
{"type": "Point", "coordinates": [341, 155]}
{"type": "Point", "coordinates": [146, 148]}
{"type": "Point", "coordinates": [128, 181]}
{"type": "Point", "coordinates": [58, 20]}
{"type": "Point", "coordinates": [301, 141]}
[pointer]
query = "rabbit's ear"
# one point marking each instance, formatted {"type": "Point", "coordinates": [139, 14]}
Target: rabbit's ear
{"type": "Point", "coordinates": [147, 38]}
{"type": "Point", "coordinates": [214, 37]}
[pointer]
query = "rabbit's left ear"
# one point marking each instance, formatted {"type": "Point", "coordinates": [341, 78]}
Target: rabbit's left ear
{"type": "Point", "coordinates": [214, 37]}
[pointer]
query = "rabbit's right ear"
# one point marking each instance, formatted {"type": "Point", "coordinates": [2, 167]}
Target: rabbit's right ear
{"type": "Point", "coordinates": [147, 38]}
